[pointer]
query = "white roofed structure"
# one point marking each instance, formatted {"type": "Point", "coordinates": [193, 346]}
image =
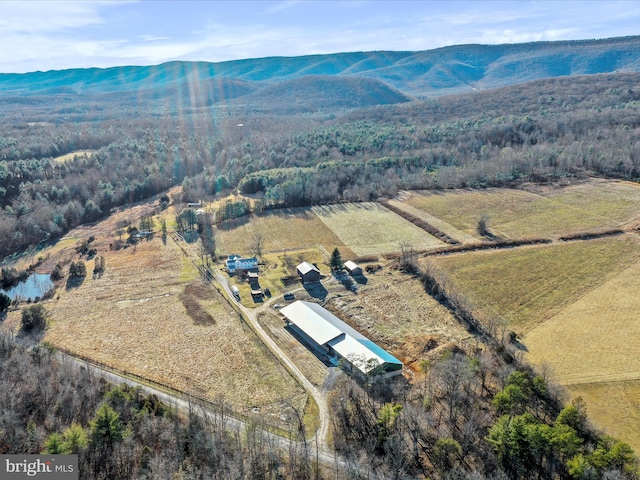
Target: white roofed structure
{"type": "Point", "coordinates": [308, 272]}
{"type": "Point", "coordinates": [335, 336]}
{"type": "Point", "coordinates": [352, 267]}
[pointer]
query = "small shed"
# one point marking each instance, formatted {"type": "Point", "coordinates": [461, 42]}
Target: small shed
{"type": "Point", "coordinates": [353, 268]}
{"type": "Point", "coordinates": [308, 272]}
{"type": "Point", "coordinates": [253, 278]}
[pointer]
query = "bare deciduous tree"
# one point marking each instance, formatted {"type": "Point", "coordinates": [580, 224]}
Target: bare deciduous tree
{"type": "Point", "coordinates": [256, 244]}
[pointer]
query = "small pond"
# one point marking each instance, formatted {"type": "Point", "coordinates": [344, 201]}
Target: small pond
{"type": "Point", "coordinates": [36, 285]}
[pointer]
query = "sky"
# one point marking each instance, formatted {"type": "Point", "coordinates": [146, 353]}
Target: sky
{"type": "Point", "coordinates": [40, 35]}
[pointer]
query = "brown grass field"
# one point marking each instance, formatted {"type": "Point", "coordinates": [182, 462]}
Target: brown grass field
{"type": "Point", "coordinates": [526, 286]}
{"type": "Point", "coordinates": [370, 229]}
{"type": "Point", "coordinates": [540, 212]}
{"type": "Point", "coordinates": [592, 346]}
{"type": "Point", "coordinates": [281, 230]}
{"type": "Point", "coordinates": [150, 316]}
{"type": "Point", "coordinates": [614, 407]}
{"type": "Point", "coordinates": [453, 232]}
{"type": "Point", "coordinates": [597, 337]}
{"type": "Point", "coordinates": [393, 310]}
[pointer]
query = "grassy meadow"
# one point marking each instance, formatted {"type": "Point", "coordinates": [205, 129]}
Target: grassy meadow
{"type": "Point", "coordinates": [526, 286]}
{"type": "Point", "coordinates": [592, 347]}
{"type": "Point", "coordinates": [281, 230]}
{"type": "Point", "coordinates": [614, 407]}
{"type": "Point", "coordinates": [370, 229]}
{"type": "Point", "coordinates": [72, 155]}
{"type": "Point", "coordinates": [597, 337]}
{"type": "Point", "coordinates": [453, 232]}
{"type": "Point", "coordinates": [151, 316]}
{"type": "Point", "coordinates": [543, 212]}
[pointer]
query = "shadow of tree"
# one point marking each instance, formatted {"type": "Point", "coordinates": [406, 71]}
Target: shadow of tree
{"type": "Point", "coordinates": [74, 282]}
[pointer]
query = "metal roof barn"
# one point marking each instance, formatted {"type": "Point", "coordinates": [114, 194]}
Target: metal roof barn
{"type": "Point", "coordinates": [333, 334]}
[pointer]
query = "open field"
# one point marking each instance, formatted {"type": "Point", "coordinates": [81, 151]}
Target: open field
{"type": "Point", "coordinates": [545, 212]}
{"type": "Point", "coordinates": [526, 286]}
{"type": "Point", "coordinates": [281, 230]}
{"type": "Point", "coordinates": [459, 235]}
{"type": "Point", "coordinates": [393, 310]}
{"type": "Point", "coordinates": [370, 229]}
{"type": "Point", "coordinates": [614, 407]}
{"type": "Point", "coordinates": [72, 155]}
{"type": "Point", "coordinates": [150, 316]}
{"type": "Point", "coordinates": [597, 337]}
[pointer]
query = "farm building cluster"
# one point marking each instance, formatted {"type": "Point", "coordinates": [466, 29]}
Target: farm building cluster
{"type": "Point", "coordinates": [319, 328]}
{"type": "Point", "coordinates": [334, 338]}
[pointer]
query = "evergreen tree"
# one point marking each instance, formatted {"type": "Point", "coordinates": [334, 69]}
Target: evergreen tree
{"type": "Point", "coordinates": [336, 261]}
{"type": "Point", "coordinates": [5, 301]}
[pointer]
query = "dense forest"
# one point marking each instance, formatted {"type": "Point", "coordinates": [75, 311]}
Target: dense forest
{"type": "Point", "coordinates": [554, 130]}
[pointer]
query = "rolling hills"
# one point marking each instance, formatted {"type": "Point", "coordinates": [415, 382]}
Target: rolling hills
{"type": "Point", "coordinates": [422, 74]}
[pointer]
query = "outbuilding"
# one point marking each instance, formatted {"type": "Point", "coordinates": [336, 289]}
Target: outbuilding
{"type": "Point", "coordinates": [353, 268]}
{"type": "Point", "coordinates": [254, 279]}
{"type": "Point", "coordinates": [308, 272]}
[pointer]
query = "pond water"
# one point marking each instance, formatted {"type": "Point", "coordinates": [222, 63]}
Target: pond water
{"type": "Point", "coordinates": [36, 285]}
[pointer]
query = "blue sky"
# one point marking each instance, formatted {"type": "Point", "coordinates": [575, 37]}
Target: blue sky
{"type": "Point", "coordinates": [54, 35]}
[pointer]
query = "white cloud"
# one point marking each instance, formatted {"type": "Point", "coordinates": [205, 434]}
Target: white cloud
{"type": "Point", "coordinates": [152, 38]}
{"type": "Point", "coordinates": [39, 35]}
{"type": "Point", "coordinates": [50, 16]}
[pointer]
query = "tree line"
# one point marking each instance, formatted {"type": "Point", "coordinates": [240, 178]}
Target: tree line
{"type": "Point", "coordinates": [546, 131]}
{"type": "Point", "coordinates": [52, 405]}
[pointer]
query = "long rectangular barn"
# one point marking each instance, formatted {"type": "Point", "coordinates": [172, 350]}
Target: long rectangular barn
{"type": "Point", "coordinates": [334, 337]}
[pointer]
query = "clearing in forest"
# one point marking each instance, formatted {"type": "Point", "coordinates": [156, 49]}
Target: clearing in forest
{"type": "Point", "coordinates": [72, 155]}
{"type": "Point", "coordinates": [150, 315]}
{"type": "Point", "coordinates": [550, 212]}
{"type": "Point", "coordinates": [370, 229]}
{"type": "Point", "coordinates": [526, 286]}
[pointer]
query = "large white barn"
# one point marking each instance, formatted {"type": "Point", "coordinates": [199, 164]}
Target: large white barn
{"type": "Point", "coordinates": [334, 337]}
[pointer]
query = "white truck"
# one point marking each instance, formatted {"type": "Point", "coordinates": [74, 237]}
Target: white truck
{"type": "Point", "coordinates": [235, 292]}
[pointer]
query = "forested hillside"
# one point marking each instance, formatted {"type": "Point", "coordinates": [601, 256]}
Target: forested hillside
{"type": "Point", "coordinates": [431, 73]}
{"type": "Point", "coordinates": [553, 130]}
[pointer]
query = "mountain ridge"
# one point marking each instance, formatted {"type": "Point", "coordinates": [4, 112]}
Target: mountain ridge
{"type": "Point", "coordinates": [422, 74]}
